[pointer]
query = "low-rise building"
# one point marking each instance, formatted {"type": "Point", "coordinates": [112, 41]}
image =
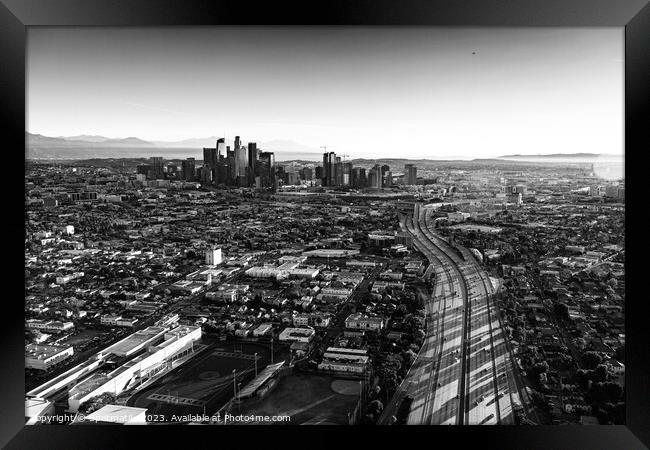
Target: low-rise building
{"type": "Point", "coordinates": [364, 321]}
{"type": "Point", "coordinates": [344, 360]}
{"type": "Point", "coordinates": [263, 329]}
{"type": "Point", "coordinates": [42, 357]}
{"type": "Point", "coordinates": [53, 326]}
{"type": "Point", "coordinates": [297, 335]}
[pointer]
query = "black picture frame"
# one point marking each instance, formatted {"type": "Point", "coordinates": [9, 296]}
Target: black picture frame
{"type": "Point", "coordinates": [634, 15]}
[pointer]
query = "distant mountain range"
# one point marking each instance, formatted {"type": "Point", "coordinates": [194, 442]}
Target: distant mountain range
{"type": "Point", "coordinates": [38, 140]}
{"type": "Point", "coordinates": [560, 155]}
{"type": "Point", "coordinates": [73, 147]}
{"type": "Point", "coordinates": [94, 146]}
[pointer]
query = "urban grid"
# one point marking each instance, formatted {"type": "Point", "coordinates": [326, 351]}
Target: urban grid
{"type": "Point", "coordinates": [333, 291]}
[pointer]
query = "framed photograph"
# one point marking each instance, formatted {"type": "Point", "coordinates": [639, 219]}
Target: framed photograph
{"type": "Point", "coordinates": [356, 214]}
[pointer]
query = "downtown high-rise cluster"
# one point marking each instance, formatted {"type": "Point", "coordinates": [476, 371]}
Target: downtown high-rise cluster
{"type": "Point", "coordinates": [247, 166]}
{"type": "Point", "coordinates": [337, 173]}
{"type": "Point", "coordinates": [241, 166]}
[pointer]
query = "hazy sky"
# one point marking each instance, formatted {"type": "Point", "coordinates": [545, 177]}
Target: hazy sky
{"type": "Point", "coordinates": [365, 91]}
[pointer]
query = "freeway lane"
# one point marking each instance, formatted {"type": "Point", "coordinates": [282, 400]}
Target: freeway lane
{"type": "Point", "coordinates": [464, 372]}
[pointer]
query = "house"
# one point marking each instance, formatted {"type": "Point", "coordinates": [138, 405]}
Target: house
{"type": "Point", "coordinates": [364, 321]}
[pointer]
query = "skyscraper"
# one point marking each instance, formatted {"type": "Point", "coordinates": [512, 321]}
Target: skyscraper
{"type": "Point", "coordinates": [241, 163]}
{"type": "Point", "coordinates": [188, 169]}
{"type": "Point", "coordinates": [338, 172]}
{"type": "Point", "coordinates": [410, 174]}
{"type": "Point", "coordinates": [210, 157]}
{"type": "Point", "coordinates": [347, 174]}
{"type": "Point", "coordinates": [328, 160]}
{"type": "Point", "coordinates": [265, 165]}
{"type": "Point", "coordinates": [221, 149]}
{"type": "Point", "coordinates": [378, 176]}
{"type": "Point", "coordinates": [252, 162]}
{"type": "Point", "coordinates": [358, 178]}
{"type": "Point", "coordinates": [157, 167]}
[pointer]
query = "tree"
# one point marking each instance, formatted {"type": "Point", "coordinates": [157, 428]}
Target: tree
{"type": "Point", "coordinates": [375, 407]}
{"type": "Point", "coordinates": [409, 357]}
{"type": "Point", "coordinates": [561, 310]}
{"type": "Point", "coordinates": [97, 402]}
{"type": "Point", "coordinates": [388, 372]}
{"type": "Point", "coordinates": [591, 359]}
{"type": "Point", "coordinates": [541, 367]}
{"type": "Point", "coordinates": [601, 373]}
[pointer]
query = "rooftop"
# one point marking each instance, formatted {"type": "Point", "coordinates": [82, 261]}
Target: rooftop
{"type": "Point", "coordinates": [43, 351]}
{"type": "Point", "coordinates": [135, 340]}
{"type": "Point", "coordinates": [260, 379]}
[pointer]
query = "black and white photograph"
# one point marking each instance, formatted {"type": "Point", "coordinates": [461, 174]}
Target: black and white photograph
{"type": "Point", "coordinates": [328, 225]}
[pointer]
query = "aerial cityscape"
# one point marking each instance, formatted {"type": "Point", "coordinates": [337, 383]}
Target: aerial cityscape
{"type": "Point", "coordinates": [484, 292]}
{"type": "Point", "coordinates": [414, 263]}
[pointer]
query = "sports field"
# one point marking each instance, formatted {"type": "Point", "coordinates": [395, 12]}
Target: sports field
{"type": "Point", "coordinates": [309, 399]}
{"type": "Point", "coordinates": [203, 384]}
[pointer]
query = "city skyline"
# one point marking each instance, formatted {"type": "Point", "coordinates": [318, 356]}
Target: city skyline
{"type": "Point", "coordinates": [442, 93]}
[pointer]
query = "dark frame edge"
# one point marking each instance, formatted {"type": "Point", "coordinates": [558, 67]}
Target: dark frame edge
{"type": "Point", "coordinates": [12, 83]}
{"type": "Point", "coordinates": [637, 114]}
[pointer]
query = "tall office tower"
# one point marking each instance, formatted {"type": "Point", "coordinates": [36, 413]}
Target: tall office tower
{"type": "Point", "coordinates": [218, 159]}
{"type": "Point", "coordinates": [372, 178]}
{"type": "Point", "coordinates": [253, 155]}
{"type": "Point", "coordinates": [410, 174]}
{"type": "Point", "coordinates": [230, 162]}
{"type": "Point", "coordinates": [363, 178]}
{"type": "Point", "coordinates": [209, 164]}
{"type": "Point", "coordinates": [338, 171]}
{"type": "Point", "coordinates": [347, 174]}
{"type": "Point", "coordinates": [237, 142]}
{"type": "Point", "coordinates": [188, 168]}
{"type": "Point", "coordinates": [210, 157]}
{"type": "Point", "coordinates": [325, 170]}
{"type": "Point", "coordinates": [205, 174]}
{"type": "Point", "coordinates": [265, 165]}
{"type": "Point", "coordinates": [157, 167]}
{"type": "Point", "coordinates": [330, 167]}
{"type": "Point", "coordinates": [241, 161]}
{"type": "Point", "coordinates": [221, 148]}
{"type": "Point", "coordinates": [354, 177]}
{"type": "Point", "coordinates": [223, 172]}
{"type": "Point", "coordinates": [378, 179]}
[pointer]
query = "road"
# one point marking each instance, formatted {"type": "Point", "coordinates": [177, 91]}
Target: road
{"type": "Point", "coordinates": [463, 374]}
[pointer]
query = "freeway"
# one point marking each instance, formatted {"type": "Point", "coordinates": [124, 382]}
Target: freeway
{"type": "Point", "coordinates": [463, 374]}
